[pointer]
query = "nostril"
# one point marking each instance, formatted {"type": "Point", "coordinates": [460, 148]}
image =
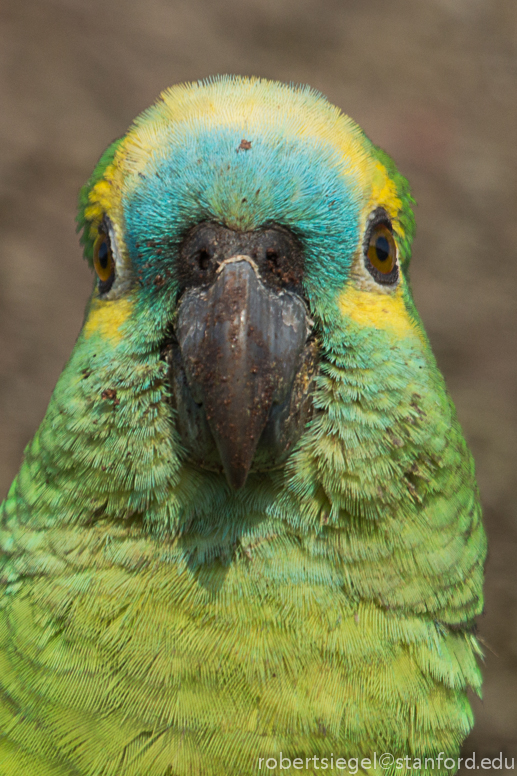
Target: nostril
{"type": "Point", "coordinates": [273, 252]}
{"type": "Point", "coordinates": [272, 257]}
{"type": "Point", "coordinates": [203, 259]}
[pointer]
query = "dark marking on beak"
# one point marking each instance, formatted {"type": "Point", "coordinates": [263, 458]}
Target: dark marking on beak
{"type": "Point", "coordinates": [242, 345]}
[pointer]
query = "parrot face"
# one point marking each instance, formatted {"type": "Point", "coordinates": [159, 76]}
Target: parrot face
{"type": "Point", "coordinates": [249, 522]}
{"type": "Point", "coordinates": [235, 255]}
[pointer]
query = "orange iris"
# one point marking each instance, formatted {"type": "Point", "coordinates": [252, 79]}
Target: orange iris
{"type": "Point", "coordinates": [103, 258]}
{"type": "Point", "coordinates": [382, 251]}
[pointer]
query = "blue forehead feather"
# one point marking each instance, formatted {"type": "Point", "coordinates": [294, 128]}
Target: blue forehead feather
{"type": "Point", "coordinates": [201, 173]}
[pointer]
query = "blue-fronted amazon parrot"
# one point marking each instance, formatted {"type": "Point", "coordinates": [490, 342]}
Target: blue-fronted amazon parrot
{"type": "Point", "coordinates": [248, 523]}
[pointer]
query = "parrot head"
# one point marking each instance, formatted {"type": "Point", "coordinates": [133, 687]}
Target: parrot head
{"type": "Point", "coordinates": [245, 232]}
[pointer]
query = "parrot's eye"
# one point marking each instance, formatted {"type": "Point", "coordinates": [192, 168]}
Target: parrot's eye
{"type": "Point", "coordinates": [381, 250]}
{"type": "Point", "coordinates": [103, 262]}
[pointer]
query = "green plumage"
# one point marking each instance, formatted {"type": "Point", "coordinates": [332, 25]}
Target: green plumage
{"type": "Point", "coordinates": [156, 622]}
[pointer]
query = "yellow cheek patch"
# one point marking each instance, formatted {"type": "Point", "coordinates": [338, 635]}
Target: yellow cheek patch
{"type": "Point", "coordinates": [379, 311]}
{"type": "Point", "coordinates": [106, 318]}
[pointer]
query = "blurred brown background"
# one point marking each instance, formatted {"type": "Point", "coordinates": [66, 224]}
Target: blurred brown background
{"type": "Point", "coordinates": [434, 83]}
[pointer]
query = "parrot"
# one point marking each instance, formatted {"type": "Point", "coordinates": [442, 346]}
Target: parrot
{"type": "Point", "coordinates": [247, 535]}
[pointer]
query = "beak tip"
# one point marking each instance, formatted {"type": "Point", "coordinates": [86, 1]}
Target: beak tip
{"type": "Point", "coordinates": [236, 477]}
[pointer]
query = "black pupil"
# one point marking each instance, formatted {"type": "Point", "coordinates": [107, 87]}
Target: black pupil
{"type": "Point", "coordinates": [382, 247]}
{"type": "Point", "coordinates": [103, 254]}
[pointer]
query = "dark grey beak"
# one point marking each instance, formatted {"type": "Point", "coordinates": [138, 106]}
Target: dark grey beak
{"type": "Point", "coordinates": [241, 344]}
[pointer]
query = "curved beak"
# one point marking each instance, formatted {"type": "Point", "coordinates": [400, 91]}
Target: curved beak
{"type": "Point", "coordinates": [241, 344]}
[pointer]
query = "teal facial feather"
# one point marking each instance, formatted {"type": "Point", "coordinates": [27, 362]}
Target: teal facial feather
{"type": "Point", "coordinates": [204, 175]}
